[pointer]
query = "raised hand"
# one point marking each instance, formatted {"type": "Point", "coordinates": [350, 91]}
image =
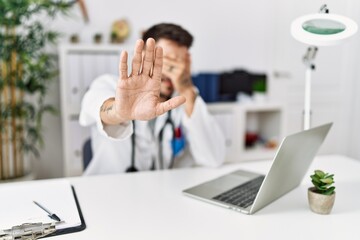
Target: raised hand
{"type": "Point", "coordinates": [138, 94]}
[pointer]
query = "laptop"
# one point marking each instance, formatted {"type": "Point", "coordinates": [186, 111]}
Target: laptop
{"type": "Point", "coordinates": [247, 192]}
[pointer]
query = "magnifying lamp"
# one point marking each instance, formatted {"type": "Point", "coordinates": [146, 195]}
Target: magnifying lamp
{"type": "Point", "coordinates": [320, 29]}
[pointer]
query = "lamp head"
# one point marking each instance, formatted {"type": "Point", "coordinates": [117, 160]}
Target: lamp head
{"type": "Point", "coordinates": [323, 29]}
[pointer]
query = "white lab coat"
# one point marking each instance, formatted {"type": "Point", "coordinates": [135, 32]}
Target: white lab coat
{"type": "Point", "coordinates": [111, 145]}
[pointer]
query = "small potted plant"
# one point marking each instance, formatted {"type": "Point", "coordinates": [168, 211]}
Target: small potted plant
{"type": "Point", "coordinates": [74, 38]}
{"type": "Point", "coordinates": [98, 38]}
{"type": "Point", "coordinates": [322, 196]}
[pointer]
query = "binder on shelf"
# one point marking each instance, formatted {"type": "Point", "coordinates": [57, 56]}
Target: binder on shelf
{"type": "Point", "coordinates": [58, 196]}
{"type": "Point", "coordinates": [207, 83]}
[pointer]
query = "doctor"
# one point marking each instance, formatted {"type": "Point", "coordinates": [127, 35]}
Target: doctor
{"type": "Point", "coordinates": [136, 119]}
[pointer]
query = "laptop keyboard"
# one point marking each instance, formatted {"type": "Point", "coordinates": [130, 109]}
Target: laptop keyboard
{"type": "Point", "coordinates": [242, 195]}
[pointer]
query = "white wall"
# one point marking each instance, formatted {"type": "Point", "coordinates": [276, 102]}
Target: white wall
{"type": "Point", "coordinates": [332, 80]}
{"type": "Point", "coordinates": [354, 90]}
{"type": "Point", "coordinates": [224, 31]}
{"type": "Point", "coordinates": [232, 34]}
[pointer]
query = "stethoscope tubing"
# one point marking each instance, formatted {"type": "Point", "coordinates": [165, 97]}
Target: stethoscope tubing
{"type": "Point", "coordinates": [132, 167]}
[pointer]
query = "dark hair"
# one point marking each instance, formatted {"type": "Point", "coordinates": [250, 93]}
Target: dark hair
{"type": "Point", "coordinates": [171, 32]}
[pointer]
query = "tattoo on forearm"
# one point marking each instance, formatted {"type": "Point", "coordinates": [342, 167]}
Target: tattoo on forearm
{"type": "Point", "coordinates": [106, 109]}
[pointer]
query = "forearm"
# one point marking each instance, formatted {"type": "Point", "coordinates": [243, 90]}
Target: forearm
{"type": "Point", "coordinates": [108, 114]}
{"type": "Point", "coordinates": [186, 88]}
{"type": "Point", "coordinates": [190, 95]}
{"type": "Point", "coordinates": [101, 89]}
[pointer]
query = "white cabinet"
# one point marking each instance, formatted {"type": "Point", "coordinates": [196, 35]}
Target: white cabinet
{"type": "Point", "coordinates": [79, 66]}
{"type": "Point", "coordinates": [253, 131]}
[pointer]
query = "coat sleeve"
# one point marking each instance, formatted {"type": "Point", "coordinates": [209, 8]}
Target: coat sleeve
{"type": "Point", "coordinates": [101, 89]}
{"type": "Point", "coordinates": [205, 138]}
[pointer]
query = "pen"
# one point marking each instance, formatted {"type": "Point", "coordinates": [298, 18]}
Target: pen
{"type": "Point", "coordinates": [51, 215]}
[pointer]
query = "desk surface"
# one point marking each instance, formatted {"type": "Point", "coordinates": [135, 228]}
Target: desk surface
{"type": "Point", "coordinates": [150, 205]}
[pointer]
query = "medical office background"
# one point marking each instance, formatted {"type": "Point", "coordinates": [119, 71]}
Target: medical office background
{"type": "Point", "coordinates": [229, 34]}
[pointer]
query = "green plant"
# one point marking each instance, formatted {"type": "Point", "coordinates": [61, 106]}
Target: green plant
{"type": "Point", "coordinates": [323, 182]}
{"type": "Point", "coordinates": [97, 37]}
{"type": "Point", "coordinates": [25, 72]}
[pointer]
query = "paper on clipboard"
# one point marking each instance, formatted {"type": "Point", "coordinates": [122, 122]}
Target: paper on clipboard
{"type": "Point", "coordinates": [17, 207]}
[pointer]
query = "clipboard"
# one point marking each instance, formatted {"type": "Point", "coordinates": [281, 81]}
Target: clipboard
{"type": "Point", "coordinates": [58, 196]}
{"type": "Point", "coordinates": [79, 228]}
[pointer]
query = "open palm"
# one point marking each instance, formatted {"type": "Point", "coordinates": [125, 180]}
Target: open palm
{"type": "Point", "coordinates": [138, 94]}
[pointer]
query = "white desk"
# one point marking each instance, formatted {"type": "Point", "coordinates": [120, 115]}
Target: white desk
{"type": "Point", "coordinates": [150, 205]}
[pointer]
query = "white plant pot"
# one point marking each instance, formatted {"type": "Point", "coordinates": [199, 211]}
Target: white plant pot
{"type": "Point", "coordinates": [320, 203]}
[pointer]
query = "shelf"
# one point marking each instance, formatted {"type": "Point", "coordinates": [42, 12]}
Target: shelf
{"type": "Point", "coordinates": [93, 48]}
{"type": "Point", "coordinates": [262, 122]}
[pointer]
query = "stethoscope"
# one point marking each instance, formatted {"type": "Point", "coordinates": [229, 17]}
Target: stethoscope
{"type": "Point", "coordinates": [132, 167]}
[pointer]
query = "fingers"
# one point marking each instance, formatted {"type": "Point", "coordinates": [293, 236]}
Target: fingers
{"type": "Point", "coordinates": [136, 62]}
{"type": "Point", "coordinates": [123, 67]}
{"type": "Point", "coordinates": [171, 65]}
{"type": "Point", "coordinates": [149, 56]}
{"type": "Point", "coordinates": [170, 104]}
{"type": "Point", "coordinates": [171, 59]}
{"type": "Point", "coordinates": [157, 71]}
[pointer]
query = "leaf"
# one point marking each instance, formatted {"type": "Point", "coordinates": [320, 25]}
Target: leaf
{"type": "Point", "coordinates": [50, 109]}
{"type": "Point", "coordinates": [327, 185]}
{"type": "Point", "coordinates": [315, 178]}
{"type": "Point", "coordinates": [315, 183]}
{"type": "Point", "coordinates": [327, 180]}
{"type": "Point", "coordinates": [329, 175]}
{"type": "Point", "coordinates": [322, 187]}
{"type": "Point", "coordinates": [319, 173]}
{"type": "Point", "coordinates": [329, 191]}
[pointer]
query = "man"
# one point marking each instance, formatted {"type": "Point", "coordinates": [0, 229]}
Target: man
{"type": "Point", "coordinates": [136, 120]}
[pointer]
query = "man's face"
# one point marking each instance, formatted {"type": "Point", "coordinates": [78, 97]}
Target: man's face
{"type": "Point", "coordinates": [172, 53]}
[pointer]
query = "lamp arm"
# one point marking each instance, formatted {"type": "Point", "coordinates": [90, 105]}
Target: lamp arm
{"type": "Point", "coordinates": [308, 60]}
{"type": "Point", "coordinates": [324, 9]}
{"type": "Point", "coordinates": [307, 99]}
{"type": "Point", "coordinates": [309, 57]}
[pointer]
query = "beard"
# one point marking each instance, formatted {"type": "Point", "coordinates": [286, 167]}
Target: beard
{"type": "Point", "coordinates": [166, 89]}
{"type": "Point", "coordinates": [164, 97]}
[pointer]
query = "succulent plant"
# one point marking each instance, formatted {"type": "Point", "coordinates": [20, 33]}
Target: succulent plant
{"type": "Point", "coordinates": [323, 182]}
